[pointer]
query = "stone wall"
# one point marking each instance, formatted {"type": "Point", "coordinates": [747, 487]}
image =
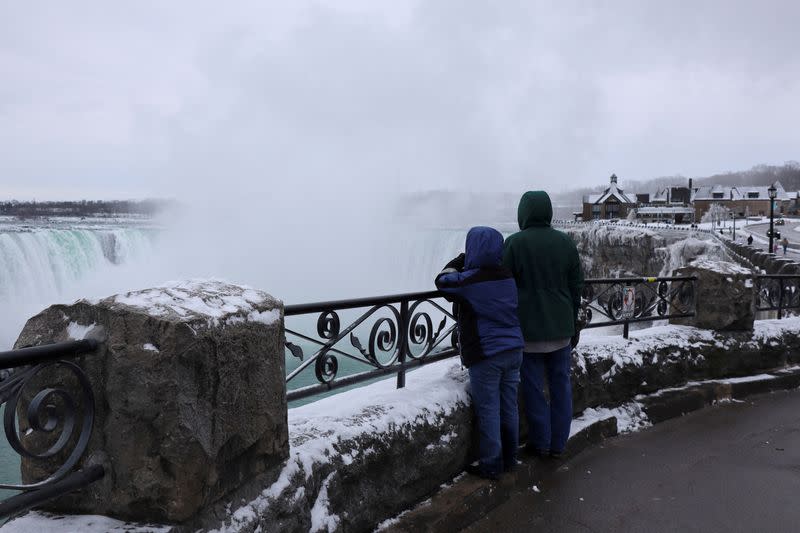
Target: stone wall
{"type": "Point", "coordinates": [766, 262]}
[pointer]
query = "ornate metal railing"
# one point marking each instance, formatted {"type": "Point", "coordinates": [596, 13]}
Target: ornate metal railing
{"type": "Point", "coordinates": [46, 422]}
{"type": "Point", "coordinates": [604, 300]}
{"type": "Point", "coordinates": [403, 334]}
{"type": "Point", "coordinates": [390, 334]}
{"type": "Point", "coordinates": [777, 292]}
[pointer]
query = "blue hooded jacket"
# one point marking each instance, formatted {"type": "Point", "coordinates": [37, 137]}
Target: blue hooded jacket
{"type": "Point", "coordinates": [486, 295]}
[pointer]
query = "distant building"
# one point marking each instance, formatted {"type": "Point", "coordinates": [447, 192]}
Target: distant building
{"type": "Point", "coordinates": [669, 204]}
{"type": "Point", "coordinates": [681, 204]}
{"type": "Point", "coordinates": [742, 200]}
{"type": "Point", "coordinates": [611, 203]}
{"type": "Point", "coordinates": [676, 213]}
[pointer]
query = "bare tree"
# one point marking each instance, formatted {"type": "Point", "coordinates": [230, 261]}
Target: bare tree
{"type": "Point", "coordinates": [716, 214]}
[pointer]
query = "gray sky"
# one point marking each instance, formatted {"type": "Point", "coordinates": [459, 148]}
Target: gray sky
{"type": "Point", "coordinates": [266, 99]}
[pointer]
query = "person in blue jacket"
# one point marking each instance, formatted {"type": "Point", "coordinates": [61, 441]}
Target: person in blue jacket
{"type": "Point", "coordinates": [490, 341]}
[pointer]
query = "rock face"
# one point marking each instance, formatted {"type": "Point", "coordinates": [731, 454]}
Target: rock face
{"type": "Point", "coordinates": [190, 395]}
{"type": "Point", "coordinates": [724, 296]}
{"type": "Point", "coordinates": [619, 251]}
{"type": "Point", "coordinates": [608, 251]}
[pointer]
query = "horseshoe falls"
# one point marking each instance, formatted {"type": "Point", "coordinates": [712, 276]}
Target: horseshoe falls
{"type": "Point", "coordinates": [44, 265]}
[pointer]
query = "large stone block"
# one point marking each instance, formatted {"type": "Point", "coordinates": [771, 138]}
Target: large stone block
{"type": "Point", "coordinates": [724, 296]}
{"type": "Point", "coordinates": [190, 394]}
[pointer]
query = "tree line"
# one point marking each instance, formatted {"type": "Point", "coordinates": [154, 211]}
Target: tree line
{"type": "Point", "coordinates": [84, 208]}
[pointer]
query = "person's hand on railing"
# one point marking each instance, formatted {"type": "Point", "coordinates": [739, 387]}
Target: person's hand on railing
{"type": "Point", "coordinates": [457, 262]}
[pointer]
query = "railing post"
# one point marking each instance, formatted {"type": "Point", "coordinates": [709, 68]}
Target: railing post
{"type": "Point", "coordinates": [625, 329]}
{"type": "Point", "coordinates": [780, 298]}
{"type": "Point", "coordinates": [403, 344]}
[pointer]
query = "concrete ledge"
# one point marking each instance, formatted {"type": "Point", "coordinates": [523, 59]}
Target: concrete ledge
{"type": "Point", "coordinates": [468, 499]}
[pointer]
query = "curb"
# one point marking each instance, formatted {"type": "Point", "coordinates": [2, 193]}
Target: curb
{"type": "Point", "coordinates": [468, 499]}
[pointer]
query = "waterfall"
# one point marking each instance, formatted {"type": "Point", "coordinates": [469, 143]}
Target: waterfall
{"type": "Point", "coordinates": [422, 253]}
{"type": "Point", "coordinates": [39, 267]}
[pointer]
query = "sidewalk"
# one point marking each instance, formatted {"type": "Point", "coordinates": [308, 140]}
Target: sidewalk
{"type": "Point", "coordinates": [543, 492]}
{"type": "Point", "coordinates": [732, 467]}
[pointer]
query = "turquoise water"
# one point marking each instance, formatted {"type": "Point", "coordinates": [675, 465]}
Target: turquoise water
{"type": "Point", "coordinates": [9, 464]}
{"type": "Point", "coordinates": [307, 325]}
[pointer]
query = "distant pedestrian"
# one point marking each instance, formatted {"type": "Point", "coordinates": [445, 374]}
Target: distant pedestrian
{"type": "Point", "coordinates": [750, 240]}
{"type": "Point", "coordinates": [775, 248]}
{"type": "Point", "coordinates": [549, 278]}
{"type": "Point", "coordinates": [491, 345]}
{"type": "Point", "coordinates": [785, 244]}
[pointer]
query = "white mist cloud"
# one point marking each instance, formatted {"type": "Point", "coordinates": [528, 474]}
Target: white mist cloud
{"type": "Point", "coordinates": [288, 128]}
{"type": "Point", "coordinates": [161, 98]}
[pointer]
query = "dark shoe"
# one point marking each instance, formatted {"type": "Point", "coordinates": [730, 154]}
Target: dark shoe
{"type": "Point", "coordinates": [534, 452]}
{"type": "Point", "coordinates": [510, 467]}
{"type": "Point", "coordinates": [476, 470]}
{"type": "Point", "coordinates": [556, 455]}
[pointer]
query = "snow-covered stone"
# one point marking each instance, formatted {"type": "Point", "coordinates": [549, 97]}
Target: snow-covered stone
{"type": "Point", "coordinates": [190, 395]}
{"type": "Point", "coordinates": [621, 250]}
{"type": "Point", "coordinates": [200, 301]}
{"type": "Point", "coordinates": [724, 296]}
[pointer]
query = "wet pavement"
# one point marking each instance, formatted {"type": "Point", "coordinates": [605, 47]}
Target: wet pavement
{"type": "Point", "coordinates": [732, 467]}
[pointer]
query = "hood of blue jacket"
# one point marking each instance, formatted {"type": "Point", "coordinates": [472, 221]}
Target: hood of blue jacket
{"type": "Point", "coordinates": [484, 248]}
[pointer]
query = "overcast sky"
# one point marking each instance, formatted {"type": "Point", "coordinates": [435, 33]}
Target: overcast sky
{"type": "Point", "coordinates": [181, 98]}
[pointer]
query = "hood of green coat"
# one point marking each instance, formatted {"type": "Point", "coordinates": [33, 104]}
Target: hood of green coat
{"type": "Point", "coordinates": [535, 209]}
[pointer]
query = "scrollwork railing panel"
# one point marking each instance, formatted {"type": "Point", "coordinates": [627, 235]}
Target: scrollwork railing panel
{"type": "Point", "coordinates": [654, 299]}
{"type": "Point", "coordinates": [49, 410]}
{"type": "Point", "coordinates": [390, 334]}
{"type": "Point", "coordinates": [776, 292]}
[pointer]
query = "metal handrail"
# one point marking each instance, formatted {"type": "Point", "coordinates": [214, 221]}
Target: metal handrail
{"type": "Point", "coordinates": [405, 326]}
{"type": "Point", "coordinates": [318, 307]}
{"type": "Point", "coordinates": [70, 432]}
{"type": "Point", "coordinates": [47, 352]}
{"type": "Point", "coordinates": [777, 292]}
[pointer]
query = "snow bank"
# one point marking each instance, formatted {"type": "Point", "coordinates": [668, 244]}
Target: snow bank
{"type": "Point", "coordinates": [77, 331]}
{"type": "Point", "coordinates": [723, 267]}
{"type": "Point", "coordinates": [37, 522]}
{"type": "Point", "coordinates": [213, 301]}
{"type": "Point", "coordinates": [622, 352]}
{"type": "Point", "coordinates": [318, 431]}
{"type": "Point", "coordinates": [630, 417]}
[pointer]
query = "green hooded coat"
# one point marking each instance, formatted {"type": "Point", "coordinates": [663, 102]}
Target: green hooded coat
{"type": "Point", "coordinates": [547, 270]}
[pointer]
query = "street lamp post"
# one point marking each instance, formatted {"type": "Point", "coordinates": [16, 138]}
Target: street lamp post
{"type": "Point", "coordinates": [773, 193]}
{"type": "Point", "coordinates": [733, 216]}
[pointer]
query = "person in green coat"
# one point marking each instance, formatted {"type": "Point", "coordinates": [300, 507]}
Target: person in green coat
{"type": "Point", "coordinates": [547, 269]}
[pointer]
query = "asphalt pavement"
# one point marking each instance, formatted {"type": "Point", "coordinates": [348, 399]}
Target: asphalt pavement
{"type": "Point", "coordinates": [761, 240]}
{"type": "Point", "coordinates": [732, 467]}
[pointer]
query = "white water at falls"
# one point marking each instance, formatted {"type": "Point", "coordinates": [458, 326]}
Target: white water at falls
{"type": "Point", "coordinates": [39, 267]}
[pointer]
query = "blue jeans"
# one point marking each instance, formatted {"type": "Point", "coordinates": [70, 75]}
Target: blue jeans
{"type": "Point", "coordinates": [548, 423]}
{"type": "Point", "coordinates": [494, 383]}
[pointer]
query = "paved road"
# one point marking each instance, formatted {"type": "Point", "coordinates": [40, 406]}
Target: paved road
{"type": "Point", "coordinates": [731, 468]}
{"type": "Point", "coordinates": [759, 232]}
